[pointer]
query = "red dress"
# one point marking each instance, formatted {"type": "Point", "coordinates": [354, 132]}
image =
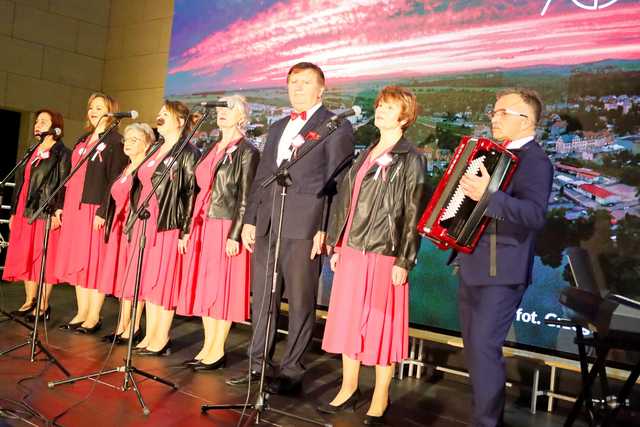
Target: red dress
{"type": "Point", "coordinates": [25, 241]}
{"type": "Point", "coordinates": [214, 285]}
{"type": "Point", "coordinates": [161, 272]}
{"type": "Point", "coordinates": [368, 317]}
{"type": "Point", "coordinates": [116, 261]}
{"type": "Point", "coordinates": [81, 247]}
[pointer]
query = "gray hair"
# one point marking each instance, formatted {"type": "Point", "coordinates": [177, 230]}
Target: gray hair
{"type": "Point", "coordinates": [144, 129]}
{"type": "Point", "coordinates": [239, 103]}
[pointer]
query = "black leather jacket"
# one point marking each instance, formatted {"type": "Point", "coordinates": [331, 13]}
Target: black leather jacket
{"type": "Point", "coordinates": [46, 176]}
{"type": "Point", "coordinates": [102, 173]}
{"type": "Point", "coordinates": [231, 186]}
{"type": "Point", "coordinates": [386, 218]}
{"type": "Point", "coordinates": [176, 192]}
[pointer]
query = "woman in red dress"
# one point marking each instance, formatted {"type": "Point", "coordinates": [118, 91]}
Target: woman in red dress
{"type": "Point", "coordinates": [120, 261]}
{"type": "Point", "coordinates": [373, 227]}
{"type": "Point", "coordinates": [170, 207]}
{"type": "Point", "coordinates": [48, 166]}
{"type": "Point", "coordinates": [81, 243]}
{"type": "Point", "coordinates": [216, 267]}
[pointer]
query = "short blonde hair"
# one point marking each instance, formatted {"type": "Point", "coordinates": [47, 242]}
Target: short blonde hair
{"type": "Point", "coordinates": [112, 107]}
{"type": "Point", "coordinates": [406, 99]}
{"type": "Point", "coordinates": [239, 103]}
{"type": "Point", "coordinates": [144, 129]}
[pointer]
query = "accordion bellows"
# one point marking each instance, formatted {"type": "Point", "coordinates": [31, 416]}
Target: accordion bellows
{"type": "Point", "coordinates": [452, 220]}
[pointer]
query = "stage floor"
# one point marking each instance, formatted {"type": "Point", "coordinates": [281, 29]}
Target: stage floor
{"type": "Point", "coordinates": [444, 403]}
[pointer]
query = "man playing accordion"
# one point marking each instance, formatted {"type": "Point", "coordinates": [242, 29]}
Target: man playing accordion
{"type": "Point", "coordinates": [494, 277]}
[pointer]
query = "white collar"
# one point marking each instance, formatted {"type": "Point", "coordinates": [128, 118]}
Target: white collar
{"type": "Point", "coordinates": [312, 110]}
{"type": "Point", "coordinates": [519, 143]}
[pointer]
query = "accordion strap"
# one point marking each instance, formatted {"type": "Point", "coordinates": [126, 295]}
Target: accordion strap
{"type": "Point", "coordinates": [493, 231]}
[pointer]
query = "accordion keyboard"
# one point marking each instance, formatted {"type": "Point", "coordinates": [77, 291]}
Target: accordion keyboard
{"type": "Point", "coordinates": [458, 196]}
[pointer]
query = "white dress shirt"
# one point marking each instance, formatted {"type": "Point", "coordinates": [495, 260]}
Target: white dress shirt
{"type": "Point", "coordinates": [291, 130]}
{"type": "Point", "coordinates": [519, 143]}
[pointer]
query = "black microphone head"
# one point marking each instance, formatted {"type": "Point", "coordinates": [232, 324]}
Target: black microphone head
{"type": "Point", "coordinates": [214, 104]}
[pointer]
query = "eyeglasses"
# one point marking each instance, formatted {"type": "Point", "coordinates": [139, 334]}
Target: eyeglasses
{"type": "Point", "coordinates": [504, 111]}
{"type": "Point", "coordinates": [134, 140]}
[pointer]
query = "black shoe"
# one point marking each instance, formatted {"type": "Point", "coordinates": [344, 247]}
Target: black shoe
{"type": "Point", "coordinates": [284, 385]}
{"type": "Point", "coordinates": [137, 337]}
{"type": "Point", "coordinates": [164, 351]}
{"type": "Point", "coordinates": [89, 331]}
{"type": "Point", "coordinates": [253, 376]}
{"type": "Point", "coordinates": [348, 405]}
{"type": "Point", "coordinates": [46, 315]}
{"type": "Point", "coordinates": [26, 311]}
{"type": "Point", "coordinates": [190, 362]}
{"type": "Point", "coordinates": [112, 338]}
{"type": "Point", "coordinates": [70, 326]}
{"type": "Point", "coordinates": [220, 363]}
{"type": "Point", "coordinates": [372, 420]}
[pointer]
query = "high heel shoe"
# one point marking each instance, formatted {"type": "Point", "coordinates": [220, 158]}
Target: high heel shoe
{"type": "Point", "coordinates": [348, 405]}
{"type": "Point", "coordinates": [190, 362]}
{"type": "Point", "coordinates": [377, 420]}
{"type": "Point", "coordinates": [26, 311]}
{"type": "Point", "coordinates": [89, 331]}
{"type": "Point", "coordinates": [114, 337]}
{"type": "Point", "coordinates": [137, 337]}
{"type": "Point", "coordinates": [220, 363]}
{"type": "Point", "coordinates": [46, 315]}
{"type": "Point", "coordinates": [70, 326]}
{"type": "Point", "coordinates": [164, 351]}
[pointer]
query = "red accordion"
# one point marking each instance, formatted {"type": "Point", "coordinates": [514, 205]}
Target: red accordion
{"type": "Point", "coordinates": [452, 220]}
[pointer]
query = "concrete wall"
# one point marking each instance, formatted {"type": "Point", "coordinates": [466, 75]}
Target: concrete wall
{"type": "Point", "coordinates": [54, 53]}
{"type": "Point", "coordinates": [137, 54]}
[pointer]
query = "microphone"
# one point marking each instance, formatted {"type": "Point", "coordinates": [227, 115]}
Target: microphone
{"type": "Point", "coordinates": [356, 110]}
{"type": "Point", "coordinates": [133, 114]}
{"type": "Point", "coordinates": [54, 132]}
{"type": "Point", "coordinates": [214, 104]}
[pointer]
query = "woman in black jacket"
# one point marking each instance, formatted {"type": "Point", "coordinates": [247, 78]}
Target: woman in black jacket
{"type": "Point", "coordinates": [170, 208]}
{"type": "Point", "coordinates": [216, 266]}
{"type": "Point", "coordinates": [373, 228]}
{"type": "Point", "coordinates": [35, 181]}
{"type": "Point", "coordinates": [82, 216]}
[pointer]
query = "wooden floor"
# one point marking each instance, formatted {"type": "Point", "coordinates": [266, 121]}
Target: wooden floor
{"type": "Point", "coordinates": [23, 385]}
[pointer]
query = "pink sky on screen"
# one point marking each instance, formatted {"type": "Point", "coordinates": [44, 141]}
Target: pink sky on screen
{"type": "Point", "coordinates": [361, 40]}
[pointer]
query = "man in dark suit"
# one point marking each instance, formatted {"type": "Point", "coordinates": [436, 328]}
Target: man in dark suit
{"type": "Point", "coordinates": [494, 277]}
{"type": "Point", "coordinates": [304, 224]}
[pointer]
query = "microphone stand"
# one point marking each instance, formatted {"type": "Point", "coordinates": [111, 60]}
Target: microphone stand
{"type": "Point", "coordinates": [33, 341]}
{"type": "Point", "coordinates": [283, 179]}
{"type": "Point", "coordinates": [27, 156]}
{"type": "Point", "coordinates": [143, 214]}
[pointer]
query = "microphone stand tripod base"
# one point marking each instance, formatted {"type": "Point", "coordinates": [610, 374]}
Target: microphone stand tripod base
{"type": "Point", "coordinates": [128, 369]}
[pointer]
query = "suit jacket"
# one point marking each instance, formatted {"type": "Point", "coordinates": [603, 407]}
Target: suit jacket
{"type": "Point", "coordinates": [314, 175]}
{"type": "Point", "coordinates": [103, 171]}
{"type": "Point", "coordinates": [519, 212]}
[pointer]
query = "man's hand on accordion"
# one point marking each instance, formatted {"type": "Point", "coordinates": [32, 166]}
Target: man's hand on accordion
{"type": "Point", "coordinates": [474, 186]}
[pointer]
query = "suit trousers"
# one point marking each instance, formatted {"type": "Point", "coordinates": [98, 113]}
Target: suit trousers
{"type": "Point", "coordinates": [486, 314]}
{"type": "Point", "coordinates": [298, 278]}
